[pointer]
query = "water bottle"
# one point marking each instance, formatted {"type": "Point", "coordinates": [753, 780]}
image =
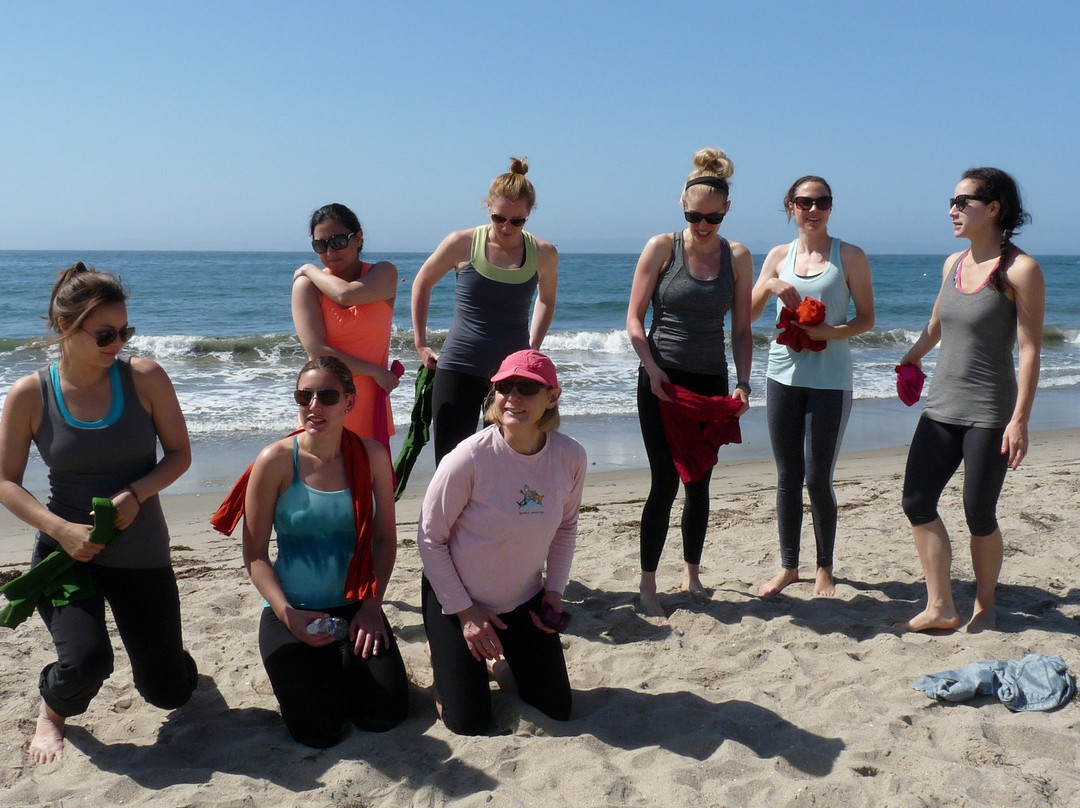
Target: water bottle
{"type": "Point", "coordinates": [329, 627]}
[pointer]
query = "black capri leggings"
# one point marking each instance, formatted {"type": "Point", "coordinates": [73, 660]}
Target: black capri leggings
{"type": "Point", "coordinates": [319, 689]}
{"type": "Point", "coordinates": [664, 477]}
{"type": "Point", "coordinates": [456, 402]}
{"type": "Point", "coordinates": [461, 681]}
{"type": "Point", "coordinates": [935, 455]}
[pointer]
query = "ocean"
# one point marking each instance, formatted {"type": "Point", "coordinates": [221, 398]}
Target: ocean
{"type": "Point", "coordinates": [219, 323]}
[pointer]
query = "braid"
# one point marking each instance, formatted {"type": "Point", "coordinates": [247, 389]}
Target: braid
{"type": "Point", "coordinates": [998, 281]}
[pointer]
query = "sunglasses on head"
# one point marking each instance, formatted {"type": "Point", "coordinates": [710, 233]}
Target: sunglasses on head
{"type": "Point", "coordinates": [807, 202]}
{"type": "Point", "coordinates": [960, 201]}
{"type": "Point", "coordinates": [107, 336]}
{"type": "Point", "coordinates": [516, 221]}
{"type": "Point", "coordinates": [694, 217]}
{"type": "Point", "coordinates": [328, 397]}
{"type": "Point", "coordinates": [338, 241]}
{"type": "Point", "coordinates": [524, 388]}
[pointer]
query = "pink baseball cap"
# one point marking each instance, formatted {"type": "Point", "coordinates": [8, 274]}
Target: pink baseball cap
{"type": "Point", "coordinates": [531, 365]}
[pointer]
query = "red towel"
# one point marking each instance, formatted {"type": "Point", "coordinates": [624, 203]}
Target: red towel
{"type": "Point", "coordinates": [909, 383]}
{"type": "Point", "coordinates": [809, 312]}
{"type": "Point", "coordinates": [696, 427]}
{"type": "Point", "coordinates": [360, 578]}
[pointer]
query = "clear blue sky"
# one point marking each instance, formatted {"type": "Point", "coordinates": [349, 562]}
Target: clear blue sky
{"type": "Point", "coordinates": [221, 125]}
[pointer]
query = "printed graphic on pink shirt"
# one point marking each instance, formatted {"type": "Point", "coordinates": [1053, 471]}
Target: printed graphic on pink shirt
{"type": "Point", "coordinates": [531, 501]}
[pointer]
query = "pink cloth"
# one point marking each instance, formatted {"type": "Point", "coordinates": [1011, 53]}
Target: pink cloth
{"type": "Point", "coordinates": [696, 427]}
{"type": "Point", "coordinates": [909, 383]}
{"type": "Point", "coordinates": [809, 312]}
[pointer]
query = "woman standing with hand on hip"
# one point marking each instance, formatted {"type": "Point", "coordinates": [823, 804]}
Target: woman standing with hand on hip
{"type": "Point", "coordinates": [692, 278]}
{"type": "Point", "coordinates": [498, 267]}
{"type": "Point", "coordinates": [809, 391]}
{"type": "Point", "coordinates": [992, 298]}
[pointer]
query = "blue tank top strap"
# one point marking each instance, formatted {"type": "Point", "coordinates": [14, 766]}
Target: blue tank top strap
{"type": "Point", "coordinates": [116, 405]}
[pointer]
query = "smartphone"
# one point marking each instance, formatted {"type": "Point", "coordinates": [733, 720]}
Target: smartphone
{"type": "Point", "coordinates": [553, 619]}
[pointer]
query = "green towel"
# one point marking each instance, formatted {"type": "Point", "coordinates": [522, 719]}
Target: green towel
{"type": "Point", "coordinates": [419, 430]}
{"type": "Point", "coordinates": [57, 577]}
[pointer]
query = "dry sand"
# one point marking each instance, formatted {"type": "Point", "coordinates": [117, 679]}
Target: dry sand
{"type": "Point", "coordinates": [795, 701]}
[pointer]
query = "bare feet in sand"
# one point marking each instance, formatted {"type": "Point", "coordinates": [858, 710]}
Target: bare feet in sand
{"type": "Point", "coordinates": [928, 621]}
{"type": "Point", "coordinates": [824, 583]}
{"type": "Point", "coordinates": [982, 621]}
{"type": "Point", "coordinates": [47, 744]}
{"type": "Point", "coordinates": [650, 604]}
{"type": "Point", "coordinates": [777, 584]}
{"type": "Point", "coordinates": [692, 584]}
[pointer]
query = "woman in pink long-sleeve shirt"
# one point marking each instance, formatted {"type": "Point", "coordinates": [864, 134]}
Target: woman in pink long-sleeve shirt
{"type": "Point", "coordinates": [496, 535]}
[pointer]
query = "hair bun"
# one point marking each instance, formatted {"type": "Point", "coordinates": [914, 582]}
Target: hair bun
{"type": "Point", "coordinates": [519, 165]}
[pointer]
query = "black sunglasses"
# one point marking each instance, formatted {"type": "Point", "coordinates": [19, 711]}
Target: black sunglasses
{"type": "Point", "coordinates": [107, 336]}
{"type": "Point", "coordinates": [807, 202]}
{"type": "Point", "coordinates": [694, 217]}
{"type": "Point", "coordinates": [517, 221]}
{"type": "Point", "coordinates": [524, 388]}
{"type": "Point", "coordinates": [338, 241]}
{"type": "Point", "coordinates": [960, 201]}
{"type": "Point", "coordinates": [327, 396]}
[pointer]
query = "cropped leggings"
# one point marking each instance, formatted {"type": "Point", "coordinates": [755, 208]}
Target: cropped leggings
{"type": "Point", "coordinates": [456, 402]}
{"type": "Point", "coordinates": [320, 689]}
{"type": "Point", "coordinates": [461, 681]}
{"type": "Point", "coordinates": [145, 606]}
{"type": "Point", "coordinates": [935, 455]}
{"type": "Point", "coordinates": [664, 478]}
{"type": "Point", "coordinates": [806, 427]}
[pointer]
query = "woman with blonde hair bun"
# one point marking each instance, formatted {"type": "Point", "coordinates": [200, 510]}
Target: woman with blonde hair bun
{"type": "Point", "coordinates": [692, 278]}
{"type": "Point", "coordinates": [498, 266]}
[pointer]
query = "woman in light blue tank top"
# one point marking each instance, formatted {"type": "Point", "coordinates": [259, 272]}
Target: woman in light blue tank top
{"type": "Point", "coordinates": [809, 392]}
{"type": "Point", "coordinates": [329, 496]}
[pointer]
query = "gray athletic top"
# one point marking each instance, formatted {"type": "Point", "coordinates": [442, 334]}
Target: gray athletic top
{"type": "Point", "coordinates": [88, 459]}
{"type": "Point", "coordinates": [974, 383]}
{"type": "Point", "coordinates": [491, 310]}
{"type": "Point", "coordinates": [687, 330]}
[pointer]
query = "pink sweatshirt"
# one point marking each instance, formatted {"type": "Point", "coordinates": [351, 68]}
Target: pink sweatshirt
{"type": "Point", "coordinates": [492, 519]}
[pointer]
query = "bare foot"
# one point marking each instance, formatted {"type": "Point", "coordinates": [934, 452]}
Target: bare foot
{"type": "Point", "coordinates": [650, 604]}
{"type": "Point", "coordinates": [693, 585]}
{"type": "Point", "coordinates": [499, 670]}
{"type": "Point", "coordinates": [824, 583]}
{"type": "Point", "coordinates": [982, 621]}
{"type": "Point", "coordinates": [47, 744]}
{"type": "Point", "coordinates": [777, 584]}
{"type": "Point", "coordinates": [928, 621]}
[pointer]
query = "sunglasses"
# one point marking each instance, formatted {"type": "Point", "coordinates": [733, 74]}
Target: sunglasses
{"type": "Point", "coordinates": [807, 202]}
{"type": "Point", "coordinates": [960, 201]}
{"type": "Point", "coordinates": [524, 388]}
{"type": "Point", "coordinates": [327, 397]}
{"type": "Point", "coordinates": [517, 221]}
{"type": "Point", "coordinates": [694, 217]}
{"type": "Point", "coordinates": [338, 241]}
{"type": "Point", "coordinates": [107, 336]}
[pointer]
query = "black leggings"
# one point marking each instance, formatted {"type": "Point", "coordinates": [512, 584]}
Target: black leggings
{"type": "Point", "coordinates": [461, 681]}
{"type": "Point", "coordinates": [145, 606]}
{"type": "Point", "coordinates": [806, 427]}
{"type": "Point", "coordinates": [664, 477]}
{"type": "Point", "coordinates": [319, 689]}
{"type": "Point", "coordinates": [456, 402]}
{"type": "Point", "coordinates": [935, 455]}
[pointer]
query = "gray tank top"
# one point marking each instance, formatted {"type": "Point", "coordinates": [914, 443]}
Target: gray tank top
{"type": "Point", "coordinates": [974, 383]}
{"type": "Point", "coordinates": [687, 330]}
{"type": "Point", "coordinates": [100, 459]}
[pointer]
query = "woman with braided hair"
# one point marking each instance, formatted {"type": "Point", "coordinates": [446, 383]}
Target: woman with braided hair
{"type": "Point", "coordinates": [992, 298]}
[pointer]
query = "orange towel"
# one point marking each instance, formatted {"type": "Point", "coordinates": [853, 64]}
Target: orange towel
{"type": "Point", "coordinates": [809, 312]}
{"type": "Point", "coordinates": [696, 426]}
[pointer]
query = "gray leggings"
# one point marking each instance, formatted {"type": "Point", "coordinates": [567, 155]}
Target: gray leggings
{"type": "Point", "coordinates": [806, 427]}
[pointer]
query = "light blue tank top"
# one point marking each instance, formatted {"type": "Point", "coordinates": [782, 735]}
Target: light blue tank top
{"type": "Point", "coordinates": [821, 370]}
{"type": "Point", "coordinates": [316, 536]}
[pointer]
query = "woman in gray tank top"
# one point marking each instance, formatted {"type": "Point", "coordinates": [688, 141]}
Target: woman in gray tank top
{"type": "Point", "coordinates": [97, 420]}
{"type": "Point", "coordinates": [992, 298]}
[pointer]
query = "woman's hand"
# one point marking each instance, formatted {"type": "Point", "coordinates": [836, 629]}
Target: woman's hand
{"type": "Point", "coordinates": [787, 293]}
{"type": "Point", "coordinates": [303, 271]}
{"type": "Point", "coordinates": [368, 631]}
{"type": "Point", "coordinates": [554, 599]}
{"type": "Point", "coordinates": [1014, 443]}
{"type": "Point", "coordinates": [297, 621]}
{"type": "Point", "coordinates": [127, 508]}
{"type": "Point", "coordinates": [74, 539]}
{"type": "Point", "coordinates": [657, 380]}
{"type": "Point", "coordinates": [386, 379]}
{"type": "Point", "coordinates": [744, 397]}
{"type": "Point", "coordinates": [428, 357]}
{"type": "Point", "coordinates": [478, 625]}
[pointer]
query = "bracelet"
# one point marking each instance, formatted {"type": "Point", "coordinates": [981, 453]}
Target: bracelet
{"type": "Point", "coordinates": [743, 386]}
{"type": "Point", "coordinates": [131, 491]}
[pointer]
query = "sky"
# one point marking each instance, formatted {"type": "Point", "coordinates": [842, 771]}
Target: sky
{"type": "Point", "coordinates": [221, 125]}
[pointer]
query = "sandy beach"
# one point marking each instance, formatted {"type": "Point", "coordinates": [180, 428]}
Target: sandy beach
{"type": "Point", "coordinates": [794, 701]}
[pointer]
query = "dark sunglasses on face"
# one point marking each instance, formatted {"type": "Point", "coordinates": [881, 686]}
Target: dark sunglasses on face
{"type": "Point", "coordinates": [327, 396]}
{"type": "Point", "coordinates": [694, 217]}
{"type": "Point", "coordinates": [807, 202]}
{"type": "Point", "coordinates": [339, 241]}
{"type": "Point", "coordinates": [517, 221]}
{"type": "Point", "coordinates": [524, 388]}
{"type": "Point", "coordinates": [960, 201]}
{"type": "Point", "coordinates": [107, 336]}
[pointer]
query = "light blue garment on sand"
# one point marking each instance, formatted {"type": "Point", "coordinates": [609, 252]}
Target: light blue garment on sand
{"type": "Point", "coordinates": [1036, 682]}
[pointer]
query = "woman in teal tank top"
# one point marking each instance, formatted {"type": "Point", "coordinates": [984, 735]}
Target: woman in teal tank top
{"type": "Point", "coordinates": [316, 489]}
